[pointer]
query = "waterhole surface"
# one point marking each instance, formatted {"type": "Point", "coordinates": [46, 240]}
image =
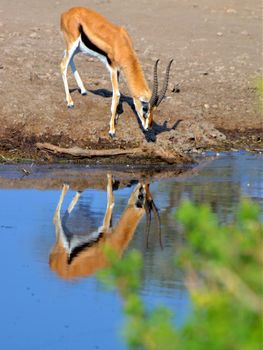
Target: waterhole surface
{"type": "Point", "coordinates": [43, 309]}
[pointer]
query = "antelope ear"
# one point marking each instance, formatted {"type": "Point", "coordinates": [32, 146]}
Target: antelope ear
{"type": "Point", "coordinates": [165, 84]}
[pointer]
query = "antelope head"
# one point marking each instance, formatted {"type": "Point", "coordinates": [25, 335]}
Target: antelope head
{"type": "Point", "coordinates": [156, 97]}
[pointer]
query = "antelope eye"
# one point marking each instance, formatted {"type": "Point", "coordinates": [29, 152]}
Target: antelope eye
{"type": "Point", "coordinates": [145, 107]}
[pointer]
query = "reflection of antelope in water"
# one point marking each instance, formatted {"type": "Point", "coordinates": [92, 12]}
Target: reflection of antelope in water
{"type": "Point", "coordinates": [76, 255]}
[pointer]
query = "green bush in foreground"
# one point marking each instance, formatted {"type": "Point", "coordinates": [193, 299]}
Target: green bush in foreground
{"type": "Point", "coordinates": [224, 266]}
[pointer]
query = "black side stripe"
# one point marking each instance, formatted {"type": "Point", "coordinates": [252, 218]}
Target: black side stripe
{"type": "Point", "coordinates": [89, 44]}
{"type": "Point", "coordinates": [76, 251]}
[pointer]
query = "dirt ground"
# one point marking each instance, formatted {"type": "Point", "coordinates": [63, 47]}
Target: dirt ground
{"type": "Point", "coordinates": [211, 100]}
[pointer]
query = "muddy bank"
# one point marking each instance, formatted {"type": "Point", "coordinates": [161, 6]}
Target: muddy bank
{"type": "Point", "coordinates": [171, 145]}
{"type": "Point", "coordinates": [174, 144]}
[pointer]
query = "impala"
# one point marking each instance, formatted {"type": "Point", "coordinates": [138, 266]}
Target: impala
{"type": "Point", "coordinates": [88, 32]}
{"type": "Point", "coordinates": [75, 255]}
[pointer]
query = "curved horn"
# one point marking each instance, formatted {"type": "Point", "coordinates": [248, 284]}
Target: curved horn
{"type": "Point", "coordinates": [165, 84]}
{"type": "Point", "coordinates": [148, 222]}
{"type": "Point", "coordinates": [154, 96]}
{"type": "Point", "coordinates": [157, 216]}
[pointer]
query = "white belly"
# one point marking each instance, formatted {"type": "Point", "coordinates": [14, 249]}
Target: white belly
{"type": "Point", "coordinates": [84, 49]}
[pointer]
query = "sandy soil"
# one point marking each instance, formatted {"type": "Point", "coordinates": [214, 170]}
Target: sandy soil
{"type": "Point", "coordinates": [211, 99]}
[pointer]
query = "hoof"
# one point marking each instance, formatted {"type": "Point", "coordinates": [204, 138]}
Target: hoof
{"type": "Point", "coordinates": [112, 134]}
{"type": "Point", "coordinates": [71, 106]}
{"type": "Point", "coordinates": [84, 93]}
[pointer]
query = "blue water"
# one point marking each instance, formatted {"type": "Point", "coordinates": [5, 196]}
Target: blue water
{"type": "Point", "coordinates": [41, 311]}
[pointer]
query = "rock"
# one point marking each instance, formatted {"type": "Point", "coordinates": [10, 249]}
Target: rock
{"type": "Point", "coordinates": [33, 35]}
{"type": "Point", "coordinates": [33, 76]}
{"type": "Point", "coordinates": [245, 33]}
{"type": "Point", "coordinates": [231, 10]}
{"type": "Point", "coordinates": [175, 89]}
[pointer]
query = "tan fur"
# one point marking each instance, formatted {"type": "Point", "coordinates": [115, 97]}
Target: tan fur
{"type": "Point", "coordinates": [116, 43]}
{"type": "Point", "coordinates": [112, 39]}
{"type": "Point", "coordinates": [92, 258]}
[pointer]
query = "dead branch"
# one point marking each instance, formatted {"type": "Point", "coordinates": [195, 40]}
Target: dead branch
{"type": "Point", "coordinates": [149, 152]}
{"type": "Point", "coordinates": [89, 153]}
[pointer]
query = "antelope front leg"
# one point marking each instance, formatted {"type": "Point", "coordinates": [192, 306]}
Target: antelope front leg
{"type": "Point", "coordinates": [115, 100]}
{"type": "Point", "coordinates": [110, 204]}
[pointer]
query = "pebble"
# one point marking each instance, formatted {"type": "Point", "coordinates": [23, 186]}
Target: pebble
{"type": "Point", "coordinates": [33, 76]}
{"type": "Point", "coordinates": [219, 34]}
{"type": "Point", "coordinates": [206, 105]}
{"type": "Point", "coordinates": [244, 32]}
{"type": "Point", "coordinates": [33, 35]}
{"type": "Point", "coordinates": [176, 89]}
{"type": "Point", "coordinates": [231, 10]}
